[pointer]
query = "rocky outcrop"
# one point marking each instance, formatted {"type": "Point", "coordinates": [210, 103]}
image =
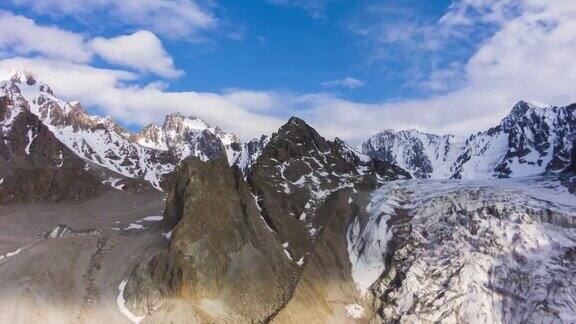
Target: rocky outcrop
{"type": "Point", "coordinates": [221, 257]}
{"type": "Point", "coordinates": [34, 164]}
{"type": "Point", "coordinates": [572, 166]}
{"type": "Point", "coordinates": [241, 239]}
{"type": "Point", "coordinates": [326, 292]}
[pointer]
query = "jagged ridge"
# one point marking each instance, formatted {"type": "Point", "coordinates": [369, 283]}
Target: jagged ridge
{"type": "Point", "coordinates": [530, 140]}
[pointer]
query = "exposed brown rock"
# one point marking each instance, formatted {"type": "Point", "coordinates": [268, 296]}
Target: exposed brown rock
{"type": "Point", "coordinates": [220, 253]}
{"type": "Point", "coordinates": [239, 249]}
{"type": "Point", "coordinates": [34, 165]}
{"type": "Point", "coordinates": [295, 152]}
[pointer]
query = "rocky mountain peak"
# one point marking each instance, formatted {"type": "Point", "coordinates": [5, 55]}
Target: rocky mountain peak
{"type": "Point", "coordinates": [34, 164]}
{"type": "Point", "coordinates": [296, 139]}
{"type": "Point", "coordinates": [180, 124]}
{"type": "Point", "coordinates": [525, 112]}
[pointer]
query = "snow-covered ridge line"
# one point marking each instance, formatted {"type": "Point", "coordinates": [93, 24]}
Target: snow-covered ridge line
{"type": "Point", "coordinates": [149, 155]}
{"type": "Point", "coordinates": [532, 139]}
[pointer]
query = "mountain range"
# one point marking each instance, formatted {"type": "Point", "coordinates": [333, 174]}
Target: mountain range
{"type": "Point", "coordinates": [532, 139]}
{"type": "Point", "coordinates": [289, 227]}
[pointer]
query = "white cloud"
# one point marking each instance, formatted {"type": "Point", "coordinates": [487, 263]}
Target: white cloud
{"type": "Point", "coordinates": [113, 93]}
{"type": "Point", "coordinates": [347, 82]}
{"type": "Point", "coordinates": [22, 36]}
{"type": "Point", "coordinates": [142, 51]}
{"type": "Point", "coordinates": [530, 57]}
{"type": "Point", "coordinates": [171, 18]}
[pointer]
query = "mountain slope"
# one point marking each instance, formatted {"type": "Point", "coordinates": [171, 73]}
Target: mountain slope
{"type": "Point", "coordinates": [189, 136]}
{"type": "Point", "coordinates": [296, 170]}
{"type": "Point", "coordinates": [34, 164]}
{"type": "Point", "coordinates": [530, 140]}
{"type": "Point", "coordinates": [150, 155]}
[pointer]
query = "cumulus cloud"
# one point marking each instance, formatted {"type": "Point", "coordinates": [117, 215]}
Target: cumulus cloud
{"type": "Point", "coordinates": [142, 51]}
{"type": "Point", "coordinates": [171, 18]}
{"type": "Point", "coordinates": [113, 93]}
{"type": "Point", "coordinates": [347, 82]}
{"type": "Point", "coordinates": [22, 36]}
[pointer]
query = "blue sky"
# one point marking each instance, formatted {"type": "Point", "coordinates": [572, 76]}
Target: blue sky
{"type": "Point", "coordinates": [350, 68]}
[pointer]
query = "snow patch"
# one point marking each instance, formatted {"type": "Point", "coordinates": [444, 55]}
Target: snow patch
{"type": "Point", "coordinates": [134, 226]}
{"type": "Point", "coordinates": [156, 218]}
{"type": "Point", "coordinates": [122, 304]}
{"type": "Point", "coordinates": [354, 311]}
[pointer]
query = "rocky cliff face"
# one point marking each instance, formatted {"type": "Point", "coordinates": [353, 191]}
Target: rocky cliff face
{"type": "Point", "coordinates": [530, 140]}
{"type": "Point", "coordinates": [34, 164]}
{"type": "Point", "coordinates": [222, 260]}
{"type": "Point", "coordinates": [424, 155]}
{"type": "Point", "coordinates": [296, 171]}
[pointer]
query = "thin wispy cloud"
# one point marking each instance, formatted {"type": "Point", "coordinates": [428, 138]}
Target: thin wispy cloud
{"type": "Point", "coordinates": [170, 18]}
{"type": "Point", "coordinates": [315, 8]}
{"type": "Point", "coordinates": [348, 82]}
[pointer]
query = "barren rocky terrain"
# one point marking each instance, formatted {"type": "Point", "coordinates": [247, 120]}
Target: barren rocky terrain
{"type": "Point", "coordinates": [64, 262]}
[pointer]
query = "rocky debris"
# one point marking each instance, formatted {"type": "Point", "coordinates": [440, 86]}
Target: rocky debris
{"type": "Point", "coordinates": [134, 185]}
{"type": "Point", "coordinates": [34, 164]}
{"type": "Point", "coordinates": [532, 139]}
{"type": "Point", "coordinates": [491, 252]}
{"type": "Point", "coordinates": [221, 257]}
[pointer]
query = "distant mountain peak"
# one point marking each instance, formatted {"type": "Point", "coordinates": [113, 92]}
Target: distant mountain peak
{"type": "Point", "coordinates": [531, 139]}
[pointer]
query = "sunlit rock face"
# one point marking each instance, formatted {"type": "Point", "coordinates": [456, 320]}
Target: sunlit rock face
{"type": "Point", "coordinates": [240, 237]}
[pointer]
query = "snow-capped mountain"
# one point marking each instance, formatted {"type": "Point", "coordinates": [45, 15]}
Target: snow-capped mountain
{"type": "Point", "coordinates": [423, 155]}
{"type": "Point", "coordinates": [532, 139]}
{"type": "Point", "coordinates": [189, 136]}
{"type": "Point", "coordinates": [34, 164]}
{"type": "Point", "coordinates": [149, 155]}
